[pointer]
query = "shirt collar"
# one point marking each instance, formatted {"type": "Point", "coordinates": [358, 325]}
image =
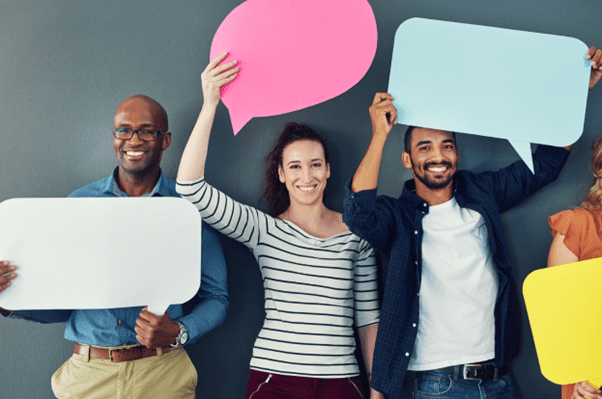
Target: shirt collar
{"type": "Point", "coordinates": [111, 186]}
{"type": "Point", "coordinates": [409, 194]}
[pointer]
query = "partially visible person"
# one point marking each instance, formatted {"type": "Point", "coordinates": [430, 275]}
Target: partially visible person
{"type": "Point", "coordinates": [131, 352]}
{"type": "Point", "coordinates": [578, 236]}
{"type": "Point", "coordinates": [320, 280]}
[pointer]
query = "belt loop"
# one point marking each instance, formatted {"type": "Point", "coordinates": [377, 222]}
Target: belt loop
{"type": "Point", "coordinates": [456, 369]}
{"type": "Point", "coordinates": [495, 374]}
{"type": "Point", "coordinates": [87, 353]}
{"type": "Point", "coordinates": [159, 351]}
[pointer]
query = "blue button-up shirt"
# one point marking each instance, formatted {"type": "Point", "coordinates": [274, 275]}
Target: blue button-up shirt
{"type": "Point", "coordinates": [114, 327]}
{"type": "Point", "coordinates": [394, 228]}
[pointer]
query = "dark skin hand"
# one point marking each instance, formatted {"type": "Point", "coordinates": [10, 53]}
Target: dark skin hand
{"type": "Point", "coordinates": [596, 57]}
{"type": "Point", "coordinates": [7, 273]}
{"type": "Point", "coordinates": [155, 331]}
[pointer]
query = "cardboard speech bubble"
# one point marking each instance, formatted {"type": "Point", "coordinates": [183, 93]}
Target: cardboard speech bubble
{"type": "Point", "coordinates": [293, 54]}
{"type": "Point", "coordinates": [521, 86]}
{"type": "Point", "coordinates": [563, 305]}
{"type": "Point", "coordinates": [97, 253]}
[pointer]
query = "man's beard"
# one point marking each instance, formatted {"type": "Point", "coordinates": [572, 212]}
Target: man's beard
{"type": "Point", "coordinates": [432, 184]}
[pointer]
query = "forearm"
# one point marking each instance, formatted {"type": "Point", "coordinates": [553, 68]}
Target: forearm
{"type": "Point", "coordinates": [192, 164]}
{"type": "Point", "coordinates": [366, 176]}
{"type": "Point", "coordinates": [367, 337]}
{"type": "Point", "coordinates": [41, 316]}
{"type": "Point", "coordinates": [205, 316]}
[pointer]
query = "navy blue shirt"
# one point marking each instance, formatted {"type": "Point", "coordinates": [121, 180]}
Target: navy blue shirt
{"type": "Point", "coordinates": [394, 228]}
{"type": "Point", "coordinates": [115, 327]}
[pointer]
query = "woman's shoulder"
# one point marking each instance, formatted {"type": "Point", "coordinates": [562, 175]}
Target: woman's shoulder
{"type": "Point", "coordinates": [578, 218]}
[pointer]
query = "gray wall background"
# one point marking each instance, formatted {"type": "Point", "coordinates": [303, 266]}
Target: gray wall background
{"type": "Point", "coordinates": [65, 65]}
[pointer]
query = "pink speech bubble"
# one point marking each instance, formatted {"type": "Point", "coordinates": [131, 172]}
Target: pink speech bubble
{"type": "Point", "coordinates": [293, 54]}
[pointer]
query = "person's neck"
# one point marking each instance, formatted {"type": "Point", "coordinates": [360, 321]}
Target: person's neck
{"type": "Point", "coordinates": [135, 185]}
{"type": "Point", "coordinates": [435, 197]}
{"type": "Point", "coordinates": [307, 217]}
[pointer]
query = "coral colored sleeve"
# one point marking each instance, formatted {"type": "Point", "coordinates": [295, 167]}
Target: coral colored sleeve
{"type": "Point", "coordinates": [571, 225]}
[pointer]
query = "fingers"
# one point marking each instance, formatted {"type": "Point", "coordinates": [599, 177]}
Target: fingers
{"type": "Point", "coordinates": [379, 97]}
{"type": "Point", "coordinates": [7, 273]}
{"type": "Point", "coordinates": [150, 317]}
{"type": "Point", "coordinates": [216, 61]}
{"type": "Point", "coordinates": [595, 56]}
{"type": "Point", "coordinates": [584, 389]}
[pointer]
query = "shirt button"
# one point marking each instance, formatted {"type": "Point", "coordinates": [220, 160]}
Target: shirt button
{"type": "Point", "coordinates": [415, 231]}
{"type": "Point", "coordinates": [414, 325]}
{"type": "Point", "coordinates": [418, 294]}
{"type": "Point", "coordinates": [416, 262]}
{"type": "Point", "coordinates": [120, 321]}
{"type": "Point", "coordinates": [424, 205]}
{"type": "Point", "coordinates": [407, 354]}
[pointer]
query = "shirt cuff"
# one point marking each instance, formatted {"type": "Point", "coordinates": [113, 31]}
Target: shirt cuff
{"type": "Point", "coordinates": [361, 198]}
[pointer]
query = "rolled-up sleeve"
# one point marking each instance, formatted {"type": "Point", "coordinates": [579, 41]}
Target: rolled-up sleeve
{"type": "Point", "coordinates": [368, 218]}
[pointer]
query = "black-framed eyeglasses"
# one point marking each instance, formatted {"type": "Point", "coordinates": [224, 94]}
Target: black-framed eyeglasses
{"type": "Point", "coordinates": [144, 135]}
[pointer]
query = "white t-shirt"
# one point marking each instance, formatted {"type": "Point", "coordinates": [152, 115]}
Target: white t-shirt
{"type": "Point", "coordinates": [458, 290]}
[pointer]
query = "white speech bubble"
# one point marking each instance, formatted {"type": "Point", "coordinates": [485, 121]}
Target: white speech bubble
{"type": "Point", "coordinates": [521, 86]}
{"type": "Point", "coordinates": [97, 253]}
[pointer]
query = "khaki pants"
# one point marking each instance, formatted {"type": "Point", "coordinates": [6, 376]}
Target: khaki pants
{"type": "Point", "coordinates": [170, 375]}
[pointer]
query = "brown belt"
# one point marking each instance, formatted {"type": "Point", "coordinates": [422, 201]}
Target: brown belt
{"type": "Point", "coordinates": [121, 355]}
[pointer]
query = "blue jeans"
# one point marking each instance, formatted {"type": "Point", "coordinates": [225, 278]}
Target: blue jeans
{"type": "Point", "coordinates": [430, 384]}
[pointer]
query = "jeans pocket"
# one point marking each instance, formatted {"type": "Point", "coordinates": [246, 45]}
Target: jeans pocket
{"type": "Point", "coordinates": [431, 385]}
{"type": "Point", "coordinates": [506, 382]}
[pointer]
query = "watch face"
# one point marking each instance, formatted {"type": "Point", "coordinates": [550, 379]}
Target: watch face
{"type": "Point", "coordinates": [184, 338]}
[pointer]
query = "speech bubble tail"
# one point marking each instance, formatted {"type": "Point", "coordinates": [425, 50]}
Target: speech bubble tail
{"type": "Point", "coordinates": [238, 121]}
{"type": "Point", "coordinates": [524, 151]}
{"type": "Point", "coordinates": [157, 309]}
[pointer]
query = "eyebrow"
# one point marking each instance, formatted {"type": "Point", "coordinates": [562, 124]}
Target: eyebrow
{"type": "Point", "coordinates": [298, 161]}
{"type": "Point", "coordinates": [430, 142]}
{"type": "Point", "coordinates": [143, 126]}
{"type": "Point", "coordinates": [418, 144]}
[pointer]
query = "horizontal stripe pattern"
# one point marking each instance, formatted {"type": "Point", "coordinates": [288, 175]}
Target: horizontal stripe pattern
{"type": "Point", "coordinates": [316, 290]}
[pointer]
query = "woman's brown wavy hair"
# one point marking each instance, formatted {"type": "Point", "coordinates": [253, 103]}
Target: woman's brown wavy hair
{"type": "Point", "coordinates": [275, 194]}
{"type": "Point", "coordinates": [593, 199]}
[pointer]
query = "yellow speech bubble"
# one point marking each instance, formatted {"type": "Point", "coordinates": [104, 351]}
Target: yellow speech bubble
{"type": "Point", "coordinates": [564, 304]}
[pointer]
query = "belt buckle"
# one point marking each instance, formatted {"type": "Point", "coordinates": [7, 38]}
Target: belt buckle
{"type": "Point", "coordinates": [474, 375]}
{"type": "Point", "coordinates": [111, 354]}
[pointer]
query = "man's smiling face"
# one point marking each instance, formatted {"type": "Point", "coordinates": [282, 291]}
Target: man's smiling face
{"type": "Point", "coordinates": [137, 157]}
{"type": "Point", "coordinates": [433, 157]}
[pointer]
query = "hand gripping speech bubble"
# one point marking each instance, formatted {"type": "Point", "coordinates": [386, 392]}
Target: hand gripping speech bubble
{"type": "Point", "coordinates": [521, 86]}
{"type": "Point", "coordinates": [563, 304]}
{"type": "Point", "coordinates": [100, 253]}
{"type": "Point", "coordinates": [293, 54]}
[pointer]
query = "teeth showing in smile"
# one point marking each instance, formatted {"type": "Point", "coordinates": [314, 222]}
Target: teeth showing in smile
{"type": "Point", "coordinates": [134, 153]}
{"type": "Point", "coordinates": [437, 169]}
{"type": "Point", "coordinates": [307, 189]}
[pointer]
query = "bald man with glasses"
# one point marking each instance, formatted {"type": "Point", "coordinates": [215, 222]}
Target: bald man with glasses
{"type": "Point", "coordinates": [130, 352]}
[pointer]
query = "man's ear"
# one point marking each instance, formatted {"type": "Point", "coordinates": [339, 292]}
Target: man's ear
{"type": "Point", "coordinates": [406, 159]}
{"type": "Point", "coordinates": [166, 140]}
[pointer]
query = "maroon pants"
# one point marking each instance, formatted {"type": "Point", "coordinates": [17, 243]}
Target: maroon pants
{"type": "Point", "coordinates": [277, 386]}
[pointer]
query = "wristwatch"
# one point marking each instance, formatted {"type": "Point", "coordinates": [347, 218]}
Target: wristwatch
{"type": "Point", "coordinates": [182, 337]}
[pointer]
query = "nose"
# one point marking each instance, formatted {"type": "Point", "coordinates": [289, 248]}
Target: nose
{"type": "Point", "coordinates": [436, 155]}
{"type": "Point", "coordinates": [306, 175]}
{"type": "Point", "coordinates": [135, 140]}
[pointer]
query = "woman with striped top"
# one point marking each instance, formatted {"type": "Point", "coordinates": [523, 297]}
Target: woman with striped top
{"type": "Point", "coordinates": [320, 280]}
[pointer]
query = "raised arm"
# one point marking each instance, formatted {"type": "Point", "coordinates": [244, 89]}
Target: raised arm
{"type": "Point", "coordinates": [383, 115]}
{"type": "Point", "coordinates": [214, 77]}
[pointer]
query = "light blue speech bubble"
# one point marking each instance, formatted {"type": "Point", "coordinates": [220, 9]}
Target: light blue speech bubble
{"type": "Point", "coordinates": [521, 86]}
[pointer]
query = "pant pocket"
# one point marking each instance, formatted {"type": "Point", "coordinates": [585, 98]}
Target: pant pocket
{"type": "Point", "coordinates": [430, 385]}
